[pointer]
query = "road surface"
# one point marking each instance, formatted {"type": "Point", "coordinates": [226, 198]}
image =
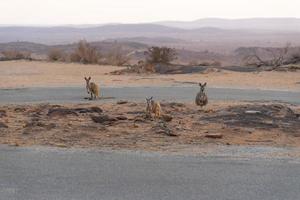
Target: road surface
{"type": "Point", "coordinates": [184, 94]}
{"type": "Point", "coordinates": [43, 173]}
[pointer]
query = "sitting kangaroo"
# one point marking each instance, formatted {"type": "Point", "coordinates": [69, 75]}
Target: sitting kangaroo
{"type": "Point", "coordinates": [201, 98]}
{"type": "Point", "coordinates": [153, 107]}
{"type": "Point", "coordinates": [92, 88]}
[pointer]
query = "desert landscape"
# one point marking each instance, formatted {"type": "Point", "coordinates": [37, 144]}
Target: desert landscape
{"type": "Point", "coordinates": [145, 56]}
{"type": "Point", "coordinates": [122, 124]}
{"type": "Point", "coordinates": [152, 100]}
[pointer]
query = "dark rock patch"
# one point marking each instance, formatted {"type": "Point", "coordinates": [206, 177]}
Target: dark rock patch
{"type": "Point", "coordinates": [163, 128]}
{"type": "Point", "coordinates": [104, 119]}
{"type": "Point", "coordinates": [20, 109]}
{"type": "Point", "coordinates": [89, 110]}
{"type": "Point", "coordinates": [258, 116]}
{"type": "Point", "coordinates": [3, 125]}
{"type": "Point", "coordinates": [61, 112]}
{"type": "Point", "coordinates": [122, 102]}
{"type": "Point", "coordinates": [3, 113]}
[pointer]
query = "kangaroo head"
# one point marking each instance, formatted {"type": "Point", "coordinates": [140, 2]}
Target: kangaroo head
{"type": "Point", "coordinates": [87, 80]}
{"type": "Point", "coordinates": [202, 86]}
{"type": "Point", "coordinates": [149, 101]}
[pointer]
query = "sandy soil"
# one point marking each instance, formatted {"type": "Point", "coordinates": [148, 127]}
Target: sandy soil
{"type": "Point", "coordinates": [125, 126]}
{"type": "Point", "coordinates": [16, 74]}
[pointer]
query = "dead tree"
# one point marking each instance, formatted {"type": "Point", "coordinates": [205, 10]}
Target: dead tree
{"type": "Point", "coordinates": [277, 57]}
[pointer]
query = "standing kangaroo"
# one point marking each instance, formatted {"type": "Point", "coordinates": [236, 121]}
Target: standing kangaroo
{"type": "Point", "coordinates": [201, 98]}
{"type": "Point", "coordinates": [153, 107]}
{"type": "Point", "coordinates": [92, 88]}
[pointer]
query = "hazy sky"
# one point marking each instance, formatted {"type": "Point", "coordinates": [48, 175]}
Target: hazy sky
{"type": "Point", "coordinates": [45, 12]}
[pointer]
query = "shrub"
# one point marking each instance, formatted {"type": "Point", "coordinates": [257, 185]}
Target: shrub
{"type": "Point", "coordinates": [85, 53]}
{"type": "Point", "coordinates": [16, 55]}
{"type": "Point", "coordinates": [56, 55]}
{"type": "Point", "coordinates": [117, 58]}
{"type": "Point", "coordinates": [160, 55]}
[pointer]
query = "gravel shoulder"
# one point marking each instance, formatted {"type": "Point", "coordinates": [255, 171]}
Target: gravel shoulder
{"type": "Point", "coordinates": [124, 125]}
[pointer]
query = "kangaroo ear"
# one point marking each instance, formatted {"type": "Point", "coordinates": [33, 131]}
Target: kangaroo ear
{"type": "Point", "coordinates": [200, 84]}
{"type": "Point", "coordinates": [85, 78]}
{"type": "Point", "coordinates": [90, 78]}
{"type": "Point", "coordinates": [204, 84]}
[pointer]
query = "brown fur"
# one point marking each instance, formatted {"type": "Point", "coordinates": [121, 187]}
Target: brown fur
{"type": "Point", "coordinates": [92, 88]}
{"type": "Point", "coordinates": [153, 107]}
{"type": "Point", "coordinates": [201, 98]}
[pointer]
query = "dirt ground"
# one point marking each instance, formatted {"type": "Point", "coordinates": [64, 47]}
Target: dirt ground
{"type": "Point", "coordinates": [17, 74]}
{"type": "Point", "coordinates": [124, 125]}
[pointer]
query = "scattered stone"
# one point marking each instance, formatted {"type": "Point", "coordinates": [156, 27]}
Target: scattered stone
{"type": "Point", "coordinates": [167, 118]}
{"type": "Point", "coordinates": [252, 112]}
{"type": "Point", "coordinates": [103, 119]}
{"type": "Point", "coordinates": [162, 128]}
{"type": "Point", "coordinates": [89, 110]}
{"type": "Point", "coordinates": [122, 102]}
{"type": "Point", "coordinates": [26, 132]}
{"type": "Point", "coordinates": [40, 124]}
{"type": "Point", "coordinates": [210, 70]}
{"type": "Point", "coordinates": [175, 104]}
{"type": "Point", "coordinates": [214, 135]}
{"type": "Point", "coordinates": [2, 125]}
{"type": "Point", "coordinates": [121, 118]}
{"type": "Point", "coordinates": [3, 113]}
{"type": "Point", "coordinates": [270, 116]}
{"type": "Point", "coordinates": [139, 119]}
{"type": "Point", "coordinates": [61, 112]}
{"type": "Point", "coordinates": [20, 109]}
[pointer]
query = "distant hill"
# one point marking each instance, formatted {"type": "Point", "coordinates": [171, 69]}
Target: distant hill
{"type": "Point", "coordinates": [217, 35]}
{"type": "Point", "coordinates": [63, 35]}
{"type": "Point", "coordinates": [283, 24]}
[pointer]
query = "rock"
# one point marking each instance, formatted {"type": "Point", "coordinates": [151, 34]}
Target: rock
{"type": "Point", "coordinates": [3, 113]}
{"type": "Point", "coordinates": [210, 70]}
{"type": "Point", "coordinates": [214, 135]}
{"type": "Point", "coordinates": [167, 118]}
{"type": "Point", "coordinates": [39, 124]}
{"type": "Point", "coordinates": [252, 112]}
{"type": "Point", "coordinates": [162, 128]}
{"type": "Point", "coordinates": [89, 110]}
{"type": "Point", "coordinates": [175, 104]}
{"type": "Point", "coordinates": [122, 102]}
{"type": "Point", "coordinates": [2, 125]}
{"type": "Point", "coordinates": [121, 118]}
{"type": "Point", "coordinates": [139, 119]}
{"type": "Point", "coordinates": [103, 119]}
{"type": "Point", "coordinates": [61, 112]}
{"type": "Point", "coordinates": [257, 116]}
{"type": "Point", "coordinates": [20, 109]}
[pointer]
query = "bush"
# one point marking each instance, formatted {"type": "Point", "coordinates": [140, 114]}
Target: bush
{"type": "Point", "coordinates": [85, 53]}
{"type": "Point", "coordinates": [160, 55]}
{"type": "Point", "coordinates": [117, 58]}
{"type": "Point", "coordinates": [16, 55]}
{"type": "Point", "coordinates": [56, 55]}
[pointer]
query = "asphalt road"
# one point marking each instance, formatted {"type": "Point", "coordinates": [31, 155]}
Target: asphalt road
{"type": "Point", "coordinates": [48, 174]}
{"type": "Point", "coordinates": [184, 94]}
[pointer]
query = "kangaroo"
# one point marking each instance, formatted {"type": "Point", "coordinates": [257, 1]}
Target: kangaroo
{"type": "Point", "coordinates": [153, 107]}
{"type": "Point", "coordinates": [92, 88]}
{"type": "Point", "coordinates": [201, 98]}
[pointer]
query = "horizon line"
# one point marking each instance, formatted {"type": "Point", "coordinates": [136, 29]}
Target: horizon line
{"type": "Point", "coordinates": [149, 22]}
